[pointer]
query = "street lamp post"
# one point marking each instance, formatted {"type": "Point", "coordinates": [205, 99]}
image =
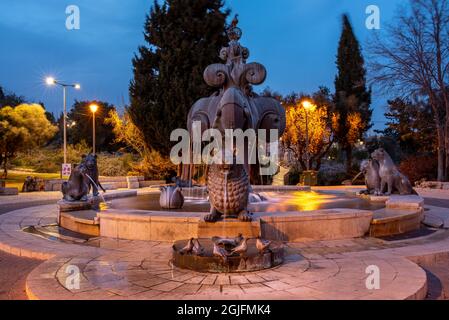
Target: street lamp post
{"type": "Point", "coordinates": [93, 108]}
{"type": "Point", "coordinates": [307, 105]}
{"type": "Point", "coordinates": [52, 81]}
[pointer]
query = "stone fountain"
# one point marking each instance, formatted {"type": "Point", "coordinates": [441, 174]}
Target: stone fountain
{"type": "Point", "coordinates": [234, 107]}
{"type": "Point", "coordinates": [204, 225]}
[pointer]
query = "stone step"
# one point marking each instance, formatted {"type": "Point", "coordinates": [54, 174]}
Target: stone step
{"type": "Point", "coordinates": [438, 280]}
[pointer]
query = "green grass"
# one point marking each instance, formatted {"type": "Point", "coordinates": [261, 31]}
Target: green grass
{"type": "Point", "coordinates": [17, 177]}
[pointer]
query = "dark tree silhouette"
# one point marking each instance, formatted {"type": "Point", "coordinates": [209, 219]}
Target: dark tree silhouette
{"type": "Point", "coordinates": [183, 37]}
{"type": "Point", "coordinates": [352, 98]}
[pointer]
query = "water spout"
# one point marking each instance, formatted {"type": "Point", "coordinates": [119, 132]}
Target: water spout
{"type": "Point", "coordinates": [358, 175]}
{"type": "Point", "coordinates": [99, 194]}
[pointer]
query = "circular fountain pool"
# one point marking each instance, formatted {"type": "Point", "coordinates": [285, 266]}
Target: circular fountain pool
{"type": "Point", "coordinates": [279, 214]}
{"type": "Point", "coordinates": [288, 201]}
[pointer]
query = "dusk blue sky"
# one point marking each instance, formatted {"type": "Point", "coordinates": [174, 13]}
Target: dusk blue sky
{"type": "Point", "coordinates": [295, 39]}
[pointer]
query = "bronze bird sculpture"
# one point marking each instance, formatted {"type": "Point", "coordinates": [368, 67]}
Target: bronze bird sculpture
{"type": "Point", "coordinates": [188, 248]}
{"type": "Point", "coordinates": [220, 252]}
{"type": "Point", "coordinates": [241, 248]}
{"type": "Point", "coordinates": [262, 245]}
{"type": "Point", "coordinates": [225, 242]}
{"type": "Point", "coordinates": [198, 250]}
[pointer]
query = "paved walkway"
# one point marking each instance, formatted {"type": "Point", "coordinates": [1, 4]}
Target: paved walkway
{"type": "Point", "coordinates": [113, 269]}
{"type": "Point", "coordinates": [14, 271]}
{"type": "Point", "coordinates": [140, 270]}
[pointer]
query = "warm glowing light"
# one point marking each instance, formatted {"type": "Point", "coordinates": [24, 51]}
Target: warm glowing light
{"type": "Point", "coordinates": [301, 200]}
{"type": "Point", "coordinates": [50, 81]}
{"type": "Point", "coordinates": [77, 86]}
{"type": "Point", "coordinates": [93, 107]}
{"type": "Point", "coordinates": [310, 201]}
{"type": "Point", "coordinates": [308, 105]}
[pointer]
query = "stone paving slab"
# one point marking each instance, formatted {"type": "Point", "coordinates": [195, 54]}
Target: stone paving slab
{"type": "Point", "coordinates": [298, 278]}
{"type": "Point", "coordinates": [113, 269]}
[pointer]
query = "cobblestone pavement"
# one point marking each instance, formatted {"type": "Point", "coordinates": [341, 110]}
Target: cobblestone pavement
{"type": "Point", "coordinates": [13, 273]}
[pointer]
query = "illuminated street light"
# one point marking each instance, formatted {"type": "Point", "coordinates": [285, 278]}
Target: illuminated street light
{"type": "Point", "coordinates": [308, 106]}
{"type": "Point", "coordinates": [50, 81]}
{"type": "Point", "coordinates": [93, 108]}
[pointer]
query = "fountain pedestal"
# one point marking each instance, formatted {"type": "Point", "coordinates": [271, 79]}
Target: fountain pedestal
{"type": "Point", "coordinates": [250, 261]}
{"type": "Point", "coordinates": [229, 228]}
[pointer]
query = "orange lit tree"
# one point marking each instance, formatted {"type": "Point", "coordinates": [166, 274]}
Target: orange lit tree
{"type": "Point", "coordinates": [320, 129]}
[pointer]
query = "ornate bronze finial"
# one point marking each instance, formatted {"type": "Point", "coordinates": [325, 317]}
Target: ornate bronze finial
{"type": "Point", "coordinates": [234, 32]}
{"type": "Point", "coordinates": [235, 21]}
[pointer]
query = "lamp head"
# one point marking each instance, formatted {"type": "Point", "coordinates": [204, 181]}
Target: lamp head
{"type": "Point", "coordinates": [50, 81]}
{"type": "Point", "coordinates": [308, 105]}
{"type": "Point", "coordinates": [93, 107]}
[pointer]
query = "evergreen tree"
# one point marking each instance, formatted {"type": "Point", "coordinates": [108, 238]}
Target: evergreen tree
{"type": "Point", "coordinates": [184, 37]}
{"type": "Point", "coordinates": [352, 98]}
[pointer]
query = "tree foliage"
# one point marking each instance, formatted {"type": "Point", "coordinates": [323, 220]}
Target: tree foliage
{"type": "Point", "coordinates": [352, 98]}
{"type": "Point", "coordinates": [183, 37]}
{"type": "Point", "coordinates": [411, 125]}
{"type": "Point", "coordinates": [320, 129]}
{"type": "Point", "coordinates": [10, 99]}
{"type": "Point", "coordinates": [23, 127]}
{"type": "Point", "coordinates": [152, 165]}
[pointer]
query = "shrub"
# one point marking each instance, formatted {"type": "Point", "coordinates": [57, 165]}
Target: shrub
{"type": "Point", "coordinates": [48, 160]}
{"type": "Point", "coordinates": [112, 165]}
{"type": "Point", "coordinates": [154, 166]}
{"type": "Point", "coordinates": [417, 168]}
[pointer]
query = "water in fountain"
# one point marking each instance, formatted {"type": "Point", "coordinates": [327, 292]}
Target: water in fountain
{"type": "Point", "coordinates": [356, 177]}
{"type": "Point", "coordinates": [99, 194]}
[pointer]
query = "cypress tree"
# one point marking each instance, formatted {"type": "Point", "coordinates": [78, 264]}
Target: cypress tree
{"type": "Point", "coordinates": [351, 94]}
{"type": "Point", "coordinates": [183, 37]}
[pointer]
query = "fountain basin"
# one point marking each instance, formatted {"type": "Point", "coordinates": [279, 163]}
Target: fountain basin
{"type": "Point", "coordinates": [281, 226]}
{"type": "Point", "coordinates": [287, 216]}
{"type": "Point", "coordinates": [252, 260]}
